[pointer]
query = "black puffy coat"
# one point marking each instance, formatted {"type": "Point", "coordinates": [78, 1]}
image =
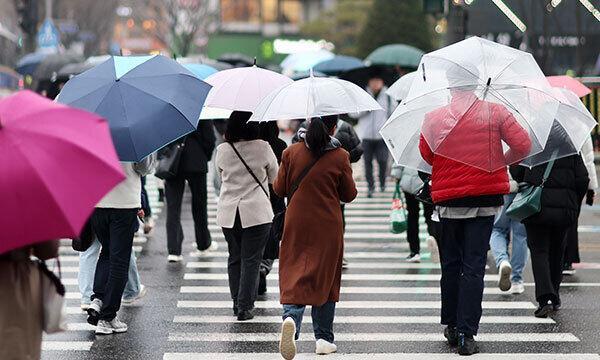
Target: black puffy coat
{"type": "Point", "coordinates": [563, 191]}
{"type": "Point", "coordinates": [199, 146]}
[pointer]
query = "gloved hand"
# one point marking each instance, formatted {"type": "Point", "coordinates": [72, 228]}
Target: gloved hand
{"type": "Point", "coordinates": [589, 197]}
{"type": "Point", "coordinates": [514, 186]}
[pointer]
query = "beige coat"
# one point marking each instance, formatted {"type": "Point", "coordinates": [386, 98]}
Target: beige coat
{"type": "Point", "coordinates": [239, 191]}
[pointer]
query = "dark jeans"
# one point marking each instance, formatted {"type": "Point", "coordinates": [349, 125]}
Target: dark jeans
{"type": "Point", "coordinates": [572, 250]}
{"type": "Point", "coordinates": [464, 244]}
{"type": "Point", "coordinates": [246, 247]}
{"type": "Point", "coordinates": [547, 246]}
{"type": "Point", "coordinates": [114, 229]}
{"type": "Point", "coordinates": [412, 232]}
{"type": "Point", "coordinates": [174, 189]}
{"type": "Point", "coordinates": [322, 319]}
{"type": "Point", "coordinates": [377, 149]}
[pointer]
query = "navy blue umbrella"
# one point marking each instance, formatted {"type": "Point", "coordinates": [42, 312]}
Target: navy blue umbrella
{"type": "Point", "coordinates": [149, 101]}
{"type": "Point", "coordinates": [28, 63]}
{"type": "Point", "coordinates": [340, 63]}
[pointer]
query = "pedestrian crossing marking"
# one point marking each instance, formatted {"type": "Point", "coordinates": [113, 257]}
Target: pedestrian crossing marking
{"type": "Point", "coordinates": [345, 276]}
{"type": "Point", "coordinates": [378, 356]}
{"type": "Point", "coordinates": [376, 304]}
{"type": "Point", "coordinates": [343, 290]}
{"type": "Point", "coordinates": [54, 345]}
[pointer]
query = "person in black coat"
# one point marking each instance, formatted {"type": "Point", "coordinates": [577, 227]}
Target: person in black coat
{"type": "Point", "coordinates": [562, 193]}
{"type": "Point", "coordinates": [193, 167]}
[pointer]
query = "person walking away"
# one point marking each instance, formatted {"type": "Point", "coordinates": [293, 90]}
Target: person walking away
{"type": "Point", "coordinates": [21, 308]}
{"type": "Point", "coordinates": [269, 132]}
{"type": "Point", "coordinates": [563, 191]}
{"type": "Point", "coordinates": [310, 258]}
{"type": "Point", "coordinates": [115, 221]}
{"type": "Point", "coordinates": [572, 251]}
{"type": "Point", "coordinates": [247, 166]}
{"type": "Point", "coordinates": [506, 230]}
{"type": "Point", "coordinates": [467, 199]}
{"type": "Point", "coordinates": [220, 125]}
{"type": "Point", "coordinates": [369, 124]}
{"type": "Point", "coordinates": [410, 184]}
{"type": "Point", "coordinates": [198, 147]}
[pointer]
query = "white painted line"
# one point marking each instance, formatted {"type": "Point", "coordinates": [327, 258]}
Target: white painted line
{"type": "Point", "coordinates": [571, 284]}
{"type": "Point", "coordinates": [351, 265]}
{"type": "Point", "coordinates": [364, 320]}
{"type": "Point", "coordinates": [70, 310]}
{"type": "Point", "coordinates": [343, 290]}
{"type": "Point", "coordinates": [347, 277]}
{"type": "Point", "coordinates": [80, 327]}
{"type": "Point", "coordinates": [374, 337]}
{"type": "Point", "coordinates": [361, 304]}
{"type": "Point", "coordinates": [349, 255]}
{"type": "Point", "coordinates": [72, 295]}
{"type": "Point", "coordinates": [68, 281]}
{"type": "Point", "coordinates": [69, 250]}
{"type": "Point", "coordinates": [379, 356]}
{"type": "Point", "coordinates": [51, 345]}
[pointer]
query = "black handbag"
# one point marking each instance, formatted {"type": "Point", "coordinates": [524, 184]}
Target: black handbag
{"type": "Point", "coordinates": [85, 239]}
{"type": "Point", "coordinates": [168, 165]}
{"type": "Point", "coordinates": [278, 219]}
{"type": "Point", "coordinates": [424, 194]}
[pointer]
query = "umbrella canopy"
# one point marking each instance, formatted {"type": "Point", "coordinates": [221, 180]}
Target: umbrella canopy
{"type": "Point", "coordinates": [70, 70]}
{"type": "Point", "coordinates": [56, 163]}
{"type": "Point", "coordinates": [338, 64]}
{"type": "Point", "coordinates": [200, 70]}
{"type": "Point", "coordinates": [570, 129]}
{"type": "Point", "coordinates": [477, 102]}
{"type": "Point", "coordinates": [149, 101]}
{"type": "Point", "coordinates": [237, 59]}
{"type": "Point", "coordinates": [28, 63]}
{"type": "Point", "coordinates": [242, 88]}
{"type": "Point", "coordinates": [361, 76]}
{"type": "Point", "coordinates": [310, 97]}
{"type": "Point", "coordinates": [210, 113]}
{"type": "Point", "coordinates": [395, 55]}
{"type": "Point", "coordinates": [567, 82]}
{"type": "Point", "coordinates": [304, 74]}
{"type": "Point", "coordinates": [304, 61]}
{"type": "Point", "coordinates": [399, 90]}
{"type": "Point", "coordinates": [49, 67]}
{"type": "Point", "coordinates": [9, 79]}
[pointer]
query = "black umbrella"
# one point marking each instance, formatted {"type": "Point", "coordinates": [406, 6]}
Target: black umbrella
{"type": "Point", "coordinates": [236, 59]}
{"type": "Point", "coordinates": [48, 69]}
{"type": "Point", "coordinates": [362, 75]}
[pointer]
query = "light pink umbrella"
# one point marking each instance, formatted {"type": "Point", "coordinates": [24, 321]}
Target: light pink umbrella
{"type": "Point", "coordinates": [242, 88]}
{"type": "Point", "coordinates": [56, 163]}
{"type": "Point", "coordinates": [569, 83]}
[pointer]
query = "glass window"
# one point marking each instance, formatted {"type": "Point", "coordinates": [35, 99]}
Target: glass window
{"type": "Point", "coordinates": [269, 11]}
{"type": "Point", "coordinates": [291, 11]}
{"type": "Point", "coordinates": [240, 11]}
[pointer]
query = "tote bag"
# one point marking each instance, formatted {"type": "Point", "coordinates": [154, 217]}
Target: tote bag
{"type": "Point", "coordinates": [398, 223]}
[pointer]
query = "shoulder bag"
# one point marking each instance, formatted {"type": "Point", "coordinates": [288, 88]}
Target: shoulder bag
{"type": "Point", "coordinates": [53, 299]}
{"type": "Point", "coordinates": [168, 165]}
{"type": "Point", "coordinates": [528, 201]}
{"type": "Point", "coordinates": [85, 239]}
{"type": "Point", "coordinates": [398, 223]}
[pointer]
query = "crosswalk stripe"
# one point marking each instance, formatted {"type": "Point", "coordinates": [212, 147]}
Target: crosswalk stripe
{"type": "Point", "coordinates": [349, 255]}
{"type": "Point", "coordinates": [363, 320]}
{"type": "Point", "coordinates": [381, 304]}
{"type": "Point", "coordinates": [53, 345]}
{"type": "Point", "coordinates": [69, 250]}
{"type": "Point", "coordinates": [378, 356]}
{"type": "Point", "coordinates": [352, 277]}
{"type": "Point", "coordinates": [343, 290]}
{"type": "Point", "coordinates": [374, 337]}
{"type": "Point", "coordinates": [351, 265]}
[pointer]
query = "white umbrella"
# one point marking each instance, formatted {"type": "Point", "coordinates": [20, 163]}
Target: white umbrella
{"type": "Point", "coordinates": [242, 88]}
{"type": "Point", "coordinates": [209, 113]}
{"type": "Point", "coordinates": [399, 90]}
{"type": "Point", "coordinates": [314, 96]}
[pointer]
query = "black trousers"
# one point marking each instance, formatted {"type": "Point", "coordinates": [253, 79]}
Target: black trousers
{"type": "Point", "coordinates": [114, 229]}
{"type": "Point", "coordinates": [572, 250]}
{"type": "Point", "coordinates": [174, 189]}
{"type": "Point", "coordinates": [246, 247]}
{"type": "Point", "coordinates": [464, 244]}
{"type": "Point", "coordinates": [377, 149]}
{"type": "Point", "coordinates": [547, 246]}
{"type": "Point", "coordinates": [412, 232]}
{"type": "Point", "coordinates": [145, 201]}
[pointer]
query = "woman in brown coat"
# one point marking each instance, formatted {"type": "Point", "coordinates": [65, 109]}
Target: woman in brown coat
{"type": "Point", "coordinates": [310, 258]}
{"type": "Point", "coordinates": [21, 311]}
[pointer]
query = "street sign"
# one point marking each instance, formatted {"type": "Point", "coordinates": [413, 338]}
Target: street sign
{"type": "Point", "coordinates": [48, 36]}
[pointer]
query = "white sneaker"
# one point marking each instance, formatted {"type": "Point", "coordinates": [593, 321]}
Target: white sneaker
{"type": "Point", "coordinates": [95, 305]}
{"type": "Point", "coordinates": [433, 249]}
{"type": "Point", "coordinates": [214, 246]}
{"type": "Point", "coordinates": [415, 258]}
{"type": "Point", "coordinates": [141, 294]}
{"type": "Point", "coordinates": [84, 306]}
{"type": "Point", "coordinates": [287, 341]}
{"type": "Point", "coordinates": [517, 288]}
{"type": "Point", "coordinates": [344, 263]}
{"type": "Point", "coordinates": [504, 270]}
{"type": "Point", "coordinates": [175, 258]}
{"type": "Point", "coordinates": [325, 347]}
{"type": "Point", "coordinates": [108, 327]}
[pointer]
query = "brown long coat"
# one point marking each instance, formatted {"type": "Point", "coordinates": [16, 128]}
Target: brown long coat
{"type": "Point", "coordinates": [310, 258]}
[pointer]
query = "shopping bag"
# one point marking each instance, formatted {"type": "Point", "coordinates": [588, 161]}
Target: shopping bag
{"type": "Point", "coordinates": [398, 223]}
{"type": "Point", "coordinates": [53, 300]}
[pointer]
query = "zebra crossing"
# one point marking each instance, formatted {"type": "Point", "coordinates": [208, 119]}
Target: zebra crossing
{"type": "Point", "coordinates": [384, 300]}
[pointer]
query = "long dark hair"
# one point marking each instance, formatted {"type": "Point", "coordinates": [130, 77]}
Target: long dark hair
{"type": "Point", "coordinates": [317, 134]}
{"type": "Point", "coordinates": [238, 127]}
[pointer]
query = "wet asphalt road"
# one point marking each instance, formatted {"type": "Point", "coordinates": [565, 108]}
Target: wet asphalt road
{"type": "Point", "coordinates": [192, 317]}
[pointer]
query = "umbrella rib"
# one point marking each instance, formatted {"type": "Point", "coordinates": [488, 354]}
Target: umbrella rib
{"type": "Point", "coordinates": [135, 153]}
{"type": "Point", "coordinates": [457, 64]}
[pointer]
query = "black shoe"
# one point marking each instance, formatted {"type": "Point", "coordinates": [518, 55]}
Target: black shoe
{"type": "Point", "coordinates": [556, 306]}
{"type": "Point", "coordinates": [93, 317]}
{"type": "Point", "coordinates": [262, 283]}
{"type": "Point", "coordinates": [544, 310]}
{"type": "Point", "coordinates": [370, 193]}
{"type": "Point", "coordinates": [245, 315]}
{"type": "Point", "coordinates": [568, 269]}
{"type": "Point", "coordinates": [451, 335]}
{"type": "Point", "coordinates": [467, 345]}
{"type": "Point", "coordinates": [235, 308]}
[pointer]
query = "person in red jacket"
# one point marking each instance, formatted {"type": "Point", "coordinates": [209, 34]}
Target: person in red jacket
{"type": "Point", "coordinates": [463, 143]}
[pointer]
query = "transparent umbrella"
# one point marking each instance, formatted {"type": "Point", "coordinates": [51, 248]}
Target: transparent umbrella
{"type": "Point", "coordinates": [476, 102]}
{"type": "Point", "coordinates": [399, 90]}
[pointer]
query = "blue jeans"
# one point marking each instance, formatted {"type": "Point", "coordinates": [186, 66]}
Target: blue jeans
{"type": "Point", "coordinates": [503, 225]}
{"type": "Point", "coordinates": [87, 267]}
{"type": "Point", "coordinates": [322, 319]}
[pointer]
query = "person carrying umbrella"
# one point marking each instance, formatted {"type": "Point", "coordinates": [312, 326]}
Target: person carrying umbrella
{"type": "Point", "coordinates": [467, 199]}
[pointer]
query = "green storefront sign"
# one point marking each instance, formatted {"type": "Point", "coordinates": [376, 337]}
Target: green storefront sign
{"type": "Point", "coordinates": [253, 45]}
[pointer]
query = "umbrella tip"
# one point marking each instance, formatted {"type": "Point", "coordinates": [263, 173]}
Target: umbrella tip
{"type": "Point", "coordinates": [311, 72]}
{"type": "Point", "coordinates": [254, 64]}
{"type": "Point", "coordinates": [120, 52]}
{"type": "Point", "coordinates": [489, 81]}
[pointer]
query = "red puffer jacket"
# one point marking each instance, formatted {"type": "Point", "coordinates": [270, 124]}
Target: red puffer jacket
{"type": "Point", "coordinates": [475, 140]}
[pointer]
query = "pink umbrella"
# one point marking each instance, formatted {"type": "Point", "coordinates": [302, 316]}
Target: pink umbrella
{"type": "Point", "coordinates": [569, 83]}
{"type": "Point", "coordinates": [242, 88]}
{"type": "Point", "coordinates": [56, 163]}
